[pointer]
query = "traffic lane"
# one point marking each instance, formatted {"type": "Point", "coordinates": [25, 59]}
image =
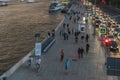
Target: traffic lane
{"type": "Point", "coordinates": [112, 50]}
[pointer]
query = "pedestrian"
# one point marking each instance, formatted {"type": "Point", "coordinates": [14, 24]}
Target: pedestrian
{"type": "Point", "coordinates": [30, 60]}
{"type": "Point", "coordinates": [60, 32]}
{"type": "Point", "coordinates": [82, 51]}
{"type": "Point", "coordinates": [38, 62]}
{"type": "Point", "coordinates": [48, 34]}
{"type": "Point", "coordinates": [64, 25]}
{"type": "Point", "coordinates": [79, 53]}
{"type": "Point", "coordinates": [62, 55]}
{"type": "Point", "coordinates": [53, 33]}
{"type": "Point", "coordinates": [87, 48]}
{"type": "Point", "coordinates": [76, 39]}
{"type": "Point", "coordinates": [75, 34]}
{"type": "Point", "coordinates": [67, 65]}
{"type": "Point", "coordinates": [82, 38]}
{"type": "Point", "coordinates": [67, 25]}
{"type": "Point", "coordinates": [87, 37]}
{"type": "Point", "coordinates": [66, 36]}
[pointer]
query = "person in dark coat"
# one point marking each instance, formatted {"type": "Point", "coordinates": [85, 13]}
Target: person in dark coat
{"type": "Point", "coordinates": [87, 37]}
{"type": "Point", "coordinates": [62, 55]}
{"type": "Point", "coordinates": [82, 38]}
{"type": "Point", "coordinates": [87, 48]}
{"type": "Point", "coordinates": [76, 39]}
{"type": "Point", "coordinates": [82, 51]}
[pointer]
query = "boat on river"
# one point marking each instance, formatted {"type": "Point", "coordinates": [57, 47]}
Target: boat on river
{"type": "Point", "coordinates": [55, 6]}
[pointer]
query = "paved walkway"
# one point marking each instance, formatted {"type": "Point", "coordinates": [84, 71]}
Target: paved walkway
{"type": "Point", "coordinates": [90, 67]}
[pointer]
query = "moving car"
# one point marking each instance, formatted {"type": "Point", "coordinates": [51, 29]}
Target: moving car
{"type": "Point", "coordinates": [113, 27]}
{"type": "Point", "coordinates": [114, 46]}
{"type": "Point", "coordinates": [111, 38]}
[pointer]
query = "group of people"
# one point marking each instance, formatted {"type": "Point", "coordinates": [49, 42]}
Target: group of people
{"type": "Point", "coordinates": [52, 33]}
{"type": "Point", "coordinates": [66, 30]}
{"type": "Point", "coordinates": [67, 62]}
{"type": "Point", "coordinates": [81, 51]}
{"type": "Point", "coordinates": [37, 62]}
{"type": "Point", "coordinates": [80, 55]}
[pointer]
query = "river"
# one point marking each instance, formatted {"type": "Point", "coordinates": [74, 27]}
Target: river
{"type": "Point", "coordinates": [19, 21]}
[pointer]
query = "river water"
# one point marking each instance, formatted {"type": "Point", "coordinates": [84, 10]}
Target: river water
{"type": "Point", "coordinates": [19, 22]}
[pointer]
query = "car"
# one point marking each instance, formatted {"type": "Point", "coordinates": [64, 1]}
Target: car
{"type": "Point", "coordinates": [118, 36]}
{"type": "Point", "coordinates": [114, 46]}
{"type": "Point", "coordinates": [97, 23]}
{"type": "Point", "coordinates": [116, 31]}
{"type": "Point", "coordinates": [113, 27]}
{"type": "Point", "coordinates": [111, 38]}
{"type": "Point", "coordinates": [104, 41]}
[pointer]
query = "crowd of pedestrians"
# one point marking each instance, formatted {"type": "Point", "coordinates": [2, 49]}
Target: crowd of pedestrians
{"type": "Point", "coordinates": [65, 32]}
{"type": "Point", "coordinates": [34, 61]}
{"type": "Point", "coordinates": [68, 30]}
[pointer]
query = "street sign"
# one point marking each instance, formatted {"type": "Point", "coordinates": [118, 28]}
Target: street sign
{"type": "Point", "coordinates": [38, 49]}
{"type": "Point", "coordinates": [103, 30]}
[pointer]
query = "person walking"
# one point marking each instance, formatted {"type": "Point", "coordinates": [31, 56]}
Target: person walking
{"type": "Point", "coordinates": [64, 35]}
{"type": "Point", "coordinates": [87, 48]}
{"type": "Point", "coordinates": [67, 25]}
{"type": "Point", "coordinates": [87, 37]}
{"type": "Point", "coordinates": [62, 55]}
{"type": "Point", "coordinates": [64, 25]}
{"type": "Point", "coordinates": [76, 39]}
{"type": "Point", "coordinates": [82, 51]}
{"type": "Point", "coordinates": [68, 30]}
{"type": "Point", "coordinates": [67, 65]}
{"type": "Point", "coordinates": [79, 53]}
{"type": "Point", "coordinates": [67, 36]}
{"type": "Point", "coordinates": [38, 62]}
{"type": "Point", "coordinates": [82, 38]}
{"type": "Point", "coordinates": [30, 60]}
{"type": "Point", "coordinates": [53, 33]}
